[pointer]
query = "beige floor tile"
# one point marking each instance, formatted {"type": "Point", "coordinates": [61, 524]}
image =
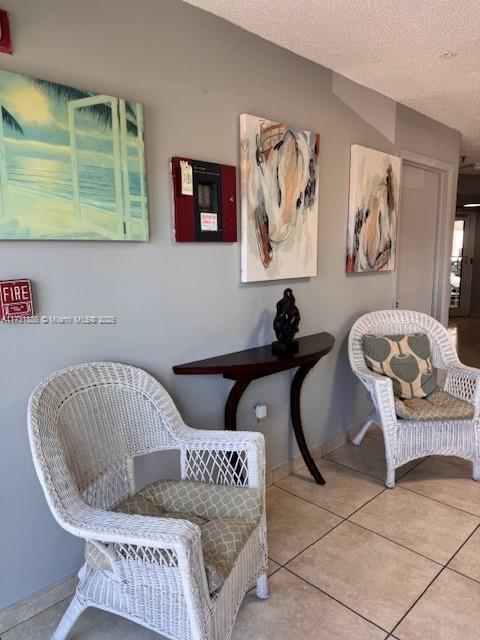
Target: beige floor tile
{"type": "Point", "coordinates": [369, 457]}
{"type": "Point", "coordinates": [344, 491]}
{"type": "Point", "coordinates": [460, 462]}
{"type": "Point", "coordinates": [293, 524]}
{"type": "Point", "coordinates": [467, 560]}
{"type": "Point", "coordinates": [296, 610]}
{"type": "Point", "coordinates": [93, 624]}
{"type": "Point", "coordinates": [36, 604]}
{"type": "Point", "coordinates": [375, 577]}
{"type": "Point", "coordinates": [445, 482]}
{"type": "Point", "coordinates": [375, 432]}
{"type": "Point", "coordinates": [449, 610]}
{"type": "Point", "coordinates": [423, 525]}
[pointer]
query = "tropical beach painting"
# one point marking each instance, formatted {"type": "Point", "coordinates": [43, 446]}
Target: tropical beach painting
{"type": "Point", "coordinates": [279, 178]}
{"type": "Point", "coordinates": [72, 164]}
{"type": "Point", "coordinates": [373, 210]}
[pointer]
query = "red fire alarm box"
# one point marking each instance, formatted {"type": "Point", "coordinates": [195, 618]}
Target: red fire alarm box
{"type": "Point", "coordinates": [5, 37]}
{"type": "Point", "coordinates": [15, 299]}
{"type": "Point", "coordinates": [205, 201]}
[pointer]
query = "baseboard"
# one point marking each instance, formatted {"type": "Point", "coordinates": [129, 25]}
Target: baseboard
{"type": "Point", "coordinates": [283, 470]}
{"type": "Point", "coordinates": [36, 603]}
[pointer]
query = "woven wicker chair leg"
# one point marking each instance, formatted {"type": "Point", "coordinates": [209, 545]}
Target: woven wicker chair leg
{"type": "Point", "coordinates": [69, 618]}
{"type": "Point", "coordinates": [390, 479]}
{"type": "Point", "coordinates": [476, 470]}
{"type": "Point", "coordinates": [262, 586]}
{"type": "Point", "coordinates": [361, 434]}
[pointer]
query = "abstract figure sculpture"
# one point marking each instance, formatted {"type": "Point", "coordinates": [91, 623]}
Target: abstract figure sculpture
{"type": "Point", "coordinates": [285, 325]}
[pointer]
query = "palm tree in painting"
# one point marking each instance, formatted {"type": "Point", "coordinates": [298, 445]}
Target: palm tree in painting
{"type": "Point", "coordinates": [11, 122]}
{"type": "Point", "coordinates": [8, 121]}
{"type": "Point", "coordinates": [101, 112]}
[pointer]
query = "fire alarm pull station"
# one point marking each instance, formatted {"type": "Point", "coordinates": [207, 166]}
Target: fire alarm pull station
{"type": "Point", "coordinates": [205, 201]}
{"type": "Point", "coordinates": [15, 299]}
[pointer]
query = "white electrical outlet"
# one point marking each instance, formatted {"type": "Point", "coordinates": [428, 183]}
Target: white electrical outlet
{"type": "Point", "coordinates": [261, 411]}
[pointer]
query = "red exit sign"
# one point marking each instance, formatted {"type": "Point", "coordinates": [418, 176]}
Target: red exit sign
{"type": "Point", "coordinates": [15, 299]}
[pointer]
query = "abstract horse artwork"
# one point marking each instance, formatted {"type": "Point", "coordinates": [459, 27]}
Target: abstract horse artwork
{"type": "Point", "coordinates": [373, 210]}
{"type": "Point", "coordinates": [279, 174]}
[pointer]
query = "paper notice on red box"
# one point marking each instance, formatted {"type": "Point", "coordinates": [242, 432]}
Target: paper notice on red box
{"type": "Point", "coordinates": [15, 299]}
{"type": "Point", "coordinates": [208, 221]}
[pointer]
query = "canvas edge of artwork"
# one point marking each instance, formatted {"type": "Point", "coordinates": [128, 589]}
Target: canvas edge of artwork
{"type": "Point", "coordinates": [243, 201]}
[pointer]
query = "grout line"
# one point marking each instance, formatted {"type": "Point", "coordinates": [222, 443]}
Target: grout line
{"type": "Point", "coordinates": [477, 528]}
{"type": "Point", "coordinates": [343, 520]}
{"type": "Point", "coordinates": [309, 545]}
{"type": "Point", "coordinates": [417, 599]}
{"type": "Point", "coordinates": [360, 615]}
{"type": "Point", "coordinates": [319, 506]}
{"type": "Point", "coordinates": [441, 566]}
{"type": "Point", "coordinates": [417, 493]}
{"type": "Point", "coordinates": [459, 573]}
{"type": "Point", "coordinates": [367, 502]}
{"type": "Point", "coordinates": [418, 462]}
{"type": "Point", "coordinates": [364, 473]}
{"type": "Point", "coordinates": [399, 544]}
{"type": "Point", "coordinates": [19, 624]}
{"type": "Point", "coordinates": [438, 574]}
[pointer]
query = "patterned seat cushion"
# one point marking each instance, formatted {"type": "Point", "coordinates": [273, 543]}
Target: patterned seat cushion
{"type": "Point", "coordinates": [405, 359]}
{"type": "Point", "coordinates": [437, 406]}
{"type": "Point", "coordinates": [206, 500]}
{"type": "Point", "coordinates": [226, 516]}
{"type": "Point", "coordinates": [222, 541]}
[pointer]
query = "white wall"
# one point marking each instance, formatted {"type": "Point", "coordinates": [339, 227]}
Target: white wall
{"type": "Point", "coordinates": [194, 74]}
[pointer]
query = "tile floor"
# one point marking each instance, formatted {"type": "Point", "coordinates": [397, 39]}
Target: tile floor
{"type": "Point", "coordinates": [465, 333]}
{"type": "Point", "coordinates": [351, 560]}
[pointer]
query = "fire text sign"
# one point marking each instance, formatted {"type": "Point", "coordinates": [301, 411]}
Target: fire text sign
{"type": "Point", "coordinates": [15, 299]}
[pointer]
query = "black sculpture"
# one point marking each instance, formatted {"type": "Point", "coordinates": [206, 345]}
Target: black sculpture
{"type": "Point", "coordinates": [285, 325]}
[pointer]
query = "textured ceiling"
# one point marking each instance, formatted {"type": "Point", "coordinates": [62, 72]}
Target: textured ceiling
{"type": "Point", "coordinates": [392, 46]}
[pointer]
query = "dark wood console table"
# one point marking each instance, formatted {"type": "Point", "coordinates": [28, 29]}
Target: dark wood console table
{"type": "Point", "coordinates": [251, 364]}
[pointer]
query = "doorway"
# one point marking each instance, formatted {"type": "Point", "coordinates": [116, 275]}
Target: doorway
{"type": "Point", "coordinates": [417, 238]}
{"type": "Point", "coordinates": [461, 264]}
{"type": "Point", "coordinates": [426, 214]}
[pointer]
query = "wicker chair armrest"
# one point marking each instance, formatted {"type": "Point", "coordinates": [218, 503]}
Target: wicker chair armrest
{"type": "Point", "coordinates": [228, 440]}
{"type": "Point", "coordinates": [145, 531]}
{"type": "Point", "coordinates": [248, 443]}
{"type": "Point", "coordinates": [381, 391]}
{"type": "Point", "coordinates": [143, 536]}
{"type": "Point", "coordinates": [464, 383]}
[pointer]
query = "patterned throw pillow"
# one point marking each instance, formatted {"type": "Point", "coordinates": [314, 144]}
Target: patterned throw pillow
{"type": "Point", "coordinates": [406, 359]}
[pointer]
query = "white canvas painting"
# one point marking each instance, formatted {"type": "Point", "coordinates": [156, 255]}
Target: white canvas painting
{"type": "Point", "coordinates": [279, 175]}
{"type": "Point", "coordinates": [373, 210]}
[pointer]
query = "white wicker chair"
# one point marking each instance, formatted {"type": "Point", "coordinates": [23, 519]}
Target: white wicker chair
{"type": "Point", "coordinates": [406, 440]}
{"type": "Point", "coordinates": [86, 425]}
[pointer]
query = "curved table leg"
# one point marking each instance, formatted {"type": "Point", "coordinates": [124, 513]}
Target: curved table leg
{"type": "Point", "coordinates": [233, 399]}
{"type": "Point", "coordinates": [295, 391]}
{"type": "Point", "coordinates": [231, 407]}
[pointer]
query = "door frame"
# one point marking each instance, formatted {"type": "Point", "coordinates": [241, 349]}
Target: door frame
{"type": "Point", "coordinates": [448, 176]}
{"type": "Point", "coordinates": [467, 262]}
